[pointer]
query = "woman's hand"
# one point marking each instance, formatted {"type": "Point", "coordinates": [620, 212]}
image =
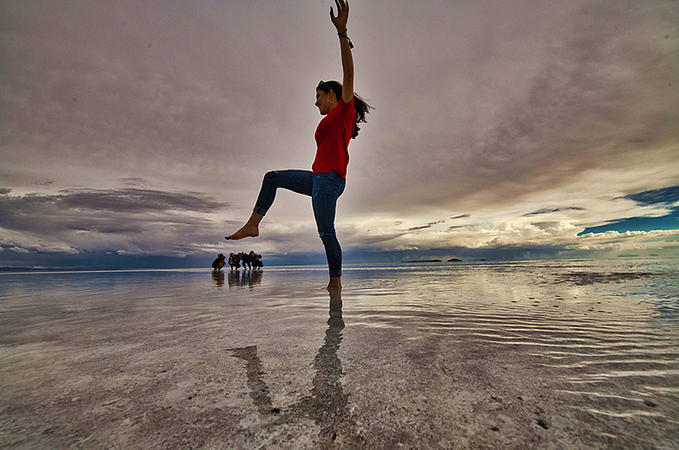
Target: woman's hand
{"type": "Point", "coordinates": [340, 21]}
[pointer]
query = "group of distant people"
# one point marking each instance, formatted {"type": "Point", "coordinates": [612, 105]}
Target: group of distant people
{"type": "Point", "coordinates": [249, 260]}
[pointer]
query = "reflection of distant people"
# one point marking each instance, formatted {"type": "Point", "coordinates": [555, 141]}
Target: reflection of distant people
{"type": "Point", "coordinates": [220, 262]}
{"type": "Point", "coordinates": [234, 261]}
{"type": "Point", "coordinates": [249, 279]}
{"type": "Point", "coordinates": [218, 277]}
{"type": "Point", "coordinates": [234, 279]}
{"type": "Point", "coordinates": [256, 260]}
{"type": "Point", "coordinates": [255, 279]}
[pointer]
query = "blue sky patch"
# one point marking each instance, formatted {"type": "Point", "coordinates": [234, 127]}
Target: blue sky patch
{"type": "Point", "coordinates": [663, 196]}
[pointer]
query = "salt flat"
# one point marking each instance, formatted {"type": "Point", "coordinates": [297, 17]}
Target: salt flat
{"type": "Point", "coordinates": [539, 354]}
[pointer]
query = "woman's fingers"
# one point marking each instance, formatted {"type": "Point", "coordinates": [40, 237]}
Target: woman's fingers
{"type": "Point", "coordinates": [342, 7]}
{"type": "Point", "coordinates": [342, 13]}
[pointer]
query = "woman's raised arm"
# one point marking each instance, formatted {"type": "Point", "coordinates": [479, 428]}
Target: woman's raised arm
{"type": "Point", "coordinates": [340, 23]}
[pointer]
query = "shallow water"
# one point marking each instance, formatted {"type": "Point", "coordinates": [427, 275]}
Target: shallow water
{"type": "Point", "coordinates": [524, 355]}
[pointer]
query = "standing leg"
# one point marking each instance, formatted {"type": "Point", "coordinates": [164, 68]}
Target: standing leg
{"type": "Point", "coordinates": [327, 187]}
{"type": "Point", "coordinates": [299, 181]}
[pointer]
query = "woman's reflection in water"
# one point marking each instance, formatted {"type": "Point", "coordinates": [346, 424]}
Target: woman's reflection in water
{"type": "Point", "coordinates": [327, 404]}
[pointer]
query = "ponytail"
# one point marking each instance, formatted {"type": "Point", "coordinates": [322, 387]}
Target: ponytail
{"type": "Point", "coordinates": [362, 108]}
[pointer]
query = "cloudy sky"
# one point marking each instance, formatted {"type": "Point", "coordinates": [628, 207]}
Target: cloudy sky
{"type": "Point", "coordinates": [137, 132]}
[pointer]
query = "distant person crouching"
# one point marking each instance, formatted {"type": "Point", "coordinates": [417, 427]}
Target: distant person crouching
{"type": "Point", "coordinates": [246, 260]}
{"type": "Point", "coordinates": [218, 263]}
{"type": "Point", "coordinates": [234, 261]}
{"type": "Point", "coordinates": [256, 260]}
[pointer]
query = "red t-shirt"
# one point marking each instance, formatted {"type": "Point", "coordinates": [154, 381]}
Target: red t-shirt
{"type": "Point", "coordinates": [332, 139]}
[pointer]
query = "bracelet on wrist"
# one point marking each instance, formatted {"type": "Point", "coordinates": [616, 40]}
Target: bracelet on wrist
{"type": "Point", "coordinates": [343, 34]}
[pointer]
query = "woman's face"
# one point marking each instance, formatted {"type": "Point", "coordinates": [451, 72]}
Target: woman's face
{"type": "Point", "coordinates": [325, 102]}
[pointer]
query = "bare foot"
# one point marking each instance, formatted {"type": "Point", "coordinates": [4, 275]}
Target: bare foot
{"type": "Point", "coordinates": [250, 229]}
{"type": "Point", "coordinates": [335, 284]}
{"type": "Point", "coordinates": [246, 231]}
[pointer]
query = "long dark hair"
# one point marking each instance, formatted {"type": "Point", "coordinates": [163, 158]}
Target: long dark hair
{"type": "Point", "coordinates": [362, 107]}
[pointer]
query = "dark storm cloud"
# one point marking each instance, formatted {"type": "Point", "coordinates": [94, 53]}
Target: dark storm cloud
{"type": "Point", "coordinates": [553, 210]}
{"type": "Point", "coordinates": [137, 200]}
{"type": "Point", "coordinates": [437, 222]}
{"type": "Point", "coordinates": [122, 211]}
{"type": "Point", "coordinates": [424, 227]}
{"type": "Point", "coordinates": [128, 200]}
{"type": "Point", "coordinates": [4, 191]}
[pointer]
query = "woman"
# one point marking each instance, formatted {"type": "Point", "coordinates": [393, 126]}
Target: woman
{"type": "Point", "coordinates": [343, 110]}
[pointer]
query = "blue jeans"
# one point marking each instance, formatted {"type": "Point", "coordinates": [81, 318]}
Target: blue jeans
{"type": "Point", "coordinates": [324, 189]}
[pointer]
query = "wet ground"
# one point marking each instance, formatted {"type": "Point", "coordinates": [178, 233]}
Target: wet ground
{"type": "Point", "coordinates": [560, 354]}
